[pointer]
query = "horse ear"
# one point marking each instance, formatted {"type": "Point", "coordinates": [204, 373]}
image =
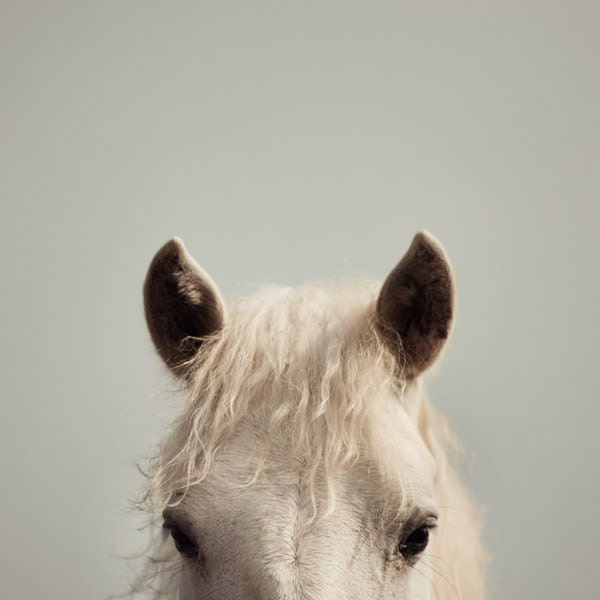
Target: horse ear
{"type": "Point", "coordinates": [416, 305]}
{"type": "Point", "coordinates": [182, 305]}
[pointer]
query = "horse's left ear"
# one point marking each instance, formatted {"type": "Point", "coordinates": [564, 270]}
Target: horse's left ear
{"type": "Point", "coordinates": [416, 305]}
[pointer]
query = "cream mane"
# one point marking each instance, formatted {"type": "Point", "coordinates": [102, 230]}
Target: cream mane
{"type": "Point", "coordinates": [306, 361]}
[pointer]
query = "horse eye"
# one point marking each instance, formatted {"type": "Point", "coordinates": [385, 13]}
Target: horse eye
{"type": "Point", "coordinates": [185, 546]}
{"type": "Point", "coordinates": [415, 542]}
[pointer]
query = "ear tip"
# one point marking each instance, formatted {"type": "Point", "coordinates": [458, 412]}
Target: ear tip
{"type": "Point", "coordinates": [175, 244]}
{"type": "Point", "coordinates": [176, 241]}
{"type": "Point", "coordinates": [425, 237]}
{"type": "Point", "coordinates": [171, 249]}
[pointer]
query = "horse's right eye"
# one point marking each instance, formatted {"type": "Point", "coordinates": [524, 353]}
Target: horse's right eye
{"type": "Point", "coordinates": [184, 544]}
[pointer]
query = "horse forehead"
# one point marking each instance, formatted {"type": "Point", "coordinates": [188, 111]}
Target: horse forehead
{"type": "Point", "coordinates": [397, 442]}
{"type": "Point", "coordinates": [394, 455]}
{"type": "Point", "coordinates": [274, 540]}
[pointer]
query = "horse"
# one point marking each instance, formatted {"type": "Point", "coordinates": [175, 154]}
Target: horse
{"type": "Point", "coordinates": [306, 461]}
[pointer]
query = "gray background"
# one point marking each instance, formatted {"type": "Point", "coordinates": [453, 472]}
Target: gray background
{"type": "Point", "coordinates": [287, 142]}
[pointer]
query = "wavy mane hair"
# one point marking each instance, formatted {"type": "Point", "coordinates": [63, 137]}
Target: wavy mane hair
{"type": "Point", "coordinates": [305, 361]}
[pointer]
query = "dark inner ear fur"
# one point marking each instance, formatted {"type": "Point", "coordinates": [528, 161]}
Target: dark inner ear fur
{"type": "Point", "coordinates": [416, 305]}
{"type": "Point", "coordinates": [181, 303]}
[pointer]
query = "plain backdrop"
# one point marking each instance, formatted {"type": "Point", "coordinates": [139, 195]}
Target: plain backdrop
{"type": "Point", "coordinates": [285, 142]}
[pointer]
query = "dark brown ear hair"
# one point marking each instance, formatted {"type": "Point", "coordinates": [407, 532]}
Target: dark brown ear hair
{"type": "Point", "coordinates": [416, 305]}
{"type": "Point", "coordinates": [182, 305]}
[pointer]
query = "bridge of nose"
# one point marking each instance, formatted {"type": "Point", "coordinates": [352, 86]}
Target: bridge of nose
{"type": "Point", "coordinates": [292, 555]}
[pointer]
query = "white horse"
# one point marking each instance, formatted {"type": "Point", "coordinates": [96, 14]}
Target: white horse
{"type": "Point", "coordinates": [306, 462]}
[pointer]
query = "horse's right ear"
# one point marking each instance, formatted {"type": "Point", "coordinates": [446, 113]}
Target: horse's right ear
{"type": "Point", "coordinates": [182, 305]}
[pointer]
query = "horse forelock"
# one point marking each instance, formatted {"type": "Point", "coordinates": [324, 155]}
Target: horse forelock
{"type": "Point", "coordinates": [304, 361]}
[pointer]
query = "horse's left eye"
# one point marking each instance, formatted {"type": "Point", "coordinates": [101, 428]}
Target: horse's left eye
{"type": "Point", "coordinates": [185, 546]}
{"type": "Point", "coordinates": [414, 543]}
